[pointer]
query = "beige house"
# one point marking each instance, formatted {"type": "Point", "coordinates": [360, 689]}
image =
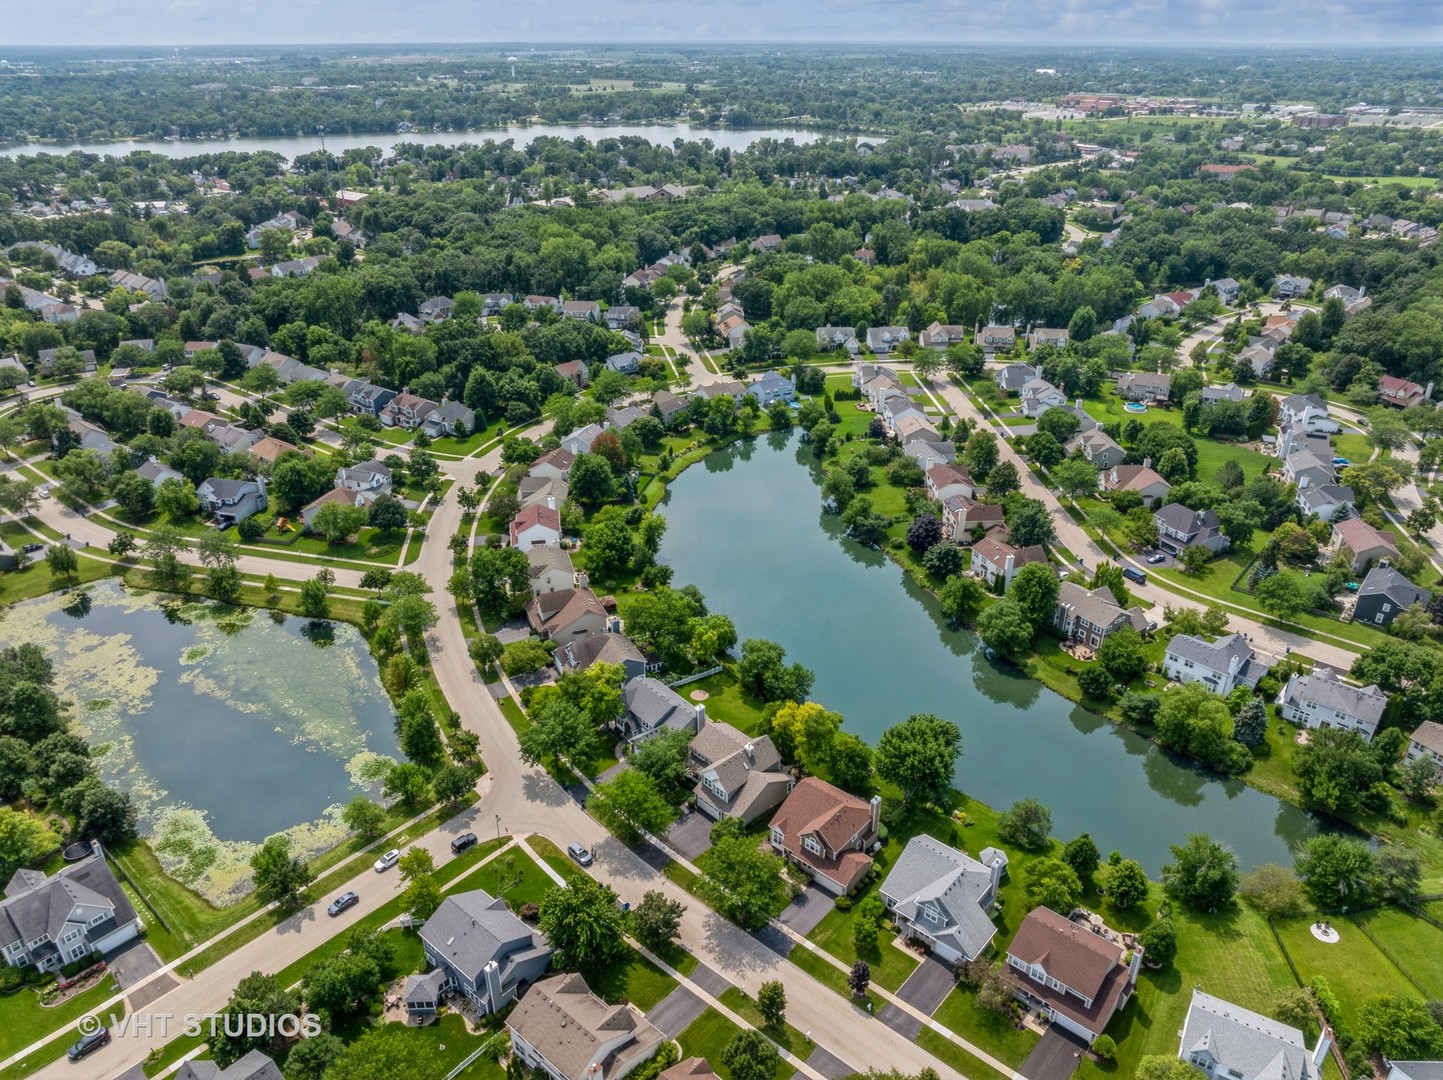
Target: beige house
{"type": "Point", "coordinates": [566, 1031]}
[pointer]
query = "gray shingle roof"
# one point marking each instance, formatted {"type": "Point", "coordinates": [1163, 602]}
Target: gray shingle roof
{"type": "Point", "coordinates": [471, 929]}
{"type": "Point", "coordinates": [650, 704]}
{"type": "Point", "coordinates": [929, 873]}
{"type": "Point", "coordinates": [1245, 1041]}
{"type": "Point", "coordinates": [254, 1066]}
{"type": "Point", "coordinates": [1325, 688]}
{"type": "Point", "coordinates": [1429, 735]}
{"type": "Point", "coordinates": [1214, 655]}
{"type": "Point", "coordinates": [1387, 581]}
{"type": "Point", "coordinates": [35, 904]}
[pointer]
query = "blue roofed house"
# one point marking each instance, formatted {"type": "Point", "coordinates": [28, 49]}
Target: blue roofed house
{"type": "Point", "coordinates": [772, 387]}
{"type": "Point", "coordinates": [231, 501]}
{"type": "Point", "coordinates": [943, 898]}
{"type": "Point", "coordinates": [1228, 1042]}
{"type": "Point", "coordinates": [1385, 594]}
{"type": "Point", "coordinates": [483, 952]}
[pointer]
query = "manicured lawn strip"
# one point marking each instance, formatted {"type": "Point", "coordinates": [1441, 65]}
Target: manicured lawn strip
{"type": "Point", "coordinates": [680, 875]}
{"type": "Point", "coordinates": [36, 579]}
{"type": "Point", "coordinates": [939, 1046]}
{"type": "Point", "coordinates": [890, 965]}
{"type": "Point", "coordinates": [787, 1037]}
{"type": "Point", "coordinates": [630, 976]}
{"type": "Point", "coordinates": [821, 969]}
{"type": "Point", "coordinates": [514, 877]}
{"type": "Point", "coordinates": [1353, 447]}
{"type": "Point", "coordinates": [708, 1035]}
{"type": "Point", "coordinates": [1412, 943]}
{"type": "Point", "coordinates": [988, 1030]}
{"type": "Point", "coordinates": [1353, 965]}
{"type": "Point", "coordinates": [555, 858]}
{"type": "Point", "coordinates": [23, 1019]}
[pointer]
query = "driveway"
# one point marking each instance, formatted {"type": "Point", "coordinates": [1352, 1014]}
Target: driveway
{"type": "Point", "coordinates": [808, 909]}
{"type": "Point", "coordinates": [691, 835]}
{"type": "Point", "coordinates": [675, 1011]}
{"type": "Point", "coordinates": [926, 987]}
{"type": "Point", "coordinates": [131, 965]}
{"type": "Point", "coordinates": [829, 1065]}
{"type": "Point", "coordinates": [1055, 1056]}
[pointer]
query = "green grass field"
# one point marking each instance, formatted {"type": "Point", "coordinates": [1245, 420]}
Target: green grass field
{"type": "Point", "coordinates": [708, 1036]}
{"type": "Point", "coordinates": [993, 1033]}
{"type": "Point", "coordinates": [1412, 943]}
{"type": "Point", "coordinates": [1353, 966]}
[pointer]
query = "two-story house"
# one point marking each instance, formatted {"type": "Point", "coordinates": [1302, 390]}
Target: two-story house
{"type": "Point", "coordinates": [1179, 528]}
{"type": "Point", "coordinates": [1325, 501]}
{"type": "Point", "coordinates": [47, 922]}
{"type": "Point", "coordinates": [622, 316]}
{"type": "Point", "coordinates": [576, 372]}
{"type": "Point", "coordinates": [883, 339]}
{"type": "Point", "coordinates": [1144, 386]}
{"type": "Point", "coordinates": [942, 336]}
{"type": "Point", "coordinates": [1221, 665]}
{"type": "Point", "coordinates": [578, 654]}
{"type": "Point", "coordinates": [1322, 700]}
{"type": "Point", "coordinates": [838, 337]}
{"type": "Point", "coordinates": [539, 523]}
{"type": "Point", "coordinates": [580, 440]}
{"type": "Point", "coordinates": [946, 480]}
{"type": "Point", "coordinates": [1090, 616]}
{"type": "Point", "coordinates": [585, 310]}
{"type": "Point", "coordinates": [1098, 448]}
{"type": "Point", "coordinates": [1401, 393]}
{"type": "Point", "coordinates": [449, 418]}
{"type": "Point", "coordinates": [1306, 469]}
{"type": "Point", "coordinates": [1011, 378]}
{"type": "Point", "coordinates": [943, 898]}
{"type": "Point", "coordinates": [436, 308]}
{"type": "Point", "coordinates": [1039, 395]}
{"type": "Point", "coordinates": [1079, 974]}
{"type": "Point", "coordinates": [736, 775]}
{"type": "Point", "coordinates": [549, 569]}
{"type": "Point", "coordinates": [1367, 544]}
{"type": "Point", "coordinates": [1306, 411]}
{"type": "Point", "coordinates": [407, 411]}
{"type": "Point", "coordinates": [995, 560]}
{"type": "Point", "coordinates": [771, 388]}
{"type": "Point", "coordinates": [566, 1031]}
{"type": "Point", "coordinates": [555, 464]}
{"type": "Point", "coordinates": [828, 833]}
{"type": "Point", "coordinates": [370, 477]}
{"type": "Point", "coordinates": [1384, 595]}
{"type": "Point", "coordinates": [482, 951]}
{"type": "Point", "coordinates": [566, 614]}
{"type": "Point", "coordinates": [231, 501]}
{"type": "Point", "coordinates": [1427, 742]}
{"type": "Point", "coordinates": [1228, 1042]}
{"type": "Point", "coordinates": [649, 707]}
{"type": "Point", "coordinates": [1049, 336]}
{"type": "Point", "coordinates": [962, 516]}
{"type": "Point", "coordinates": [1139, 478]}
{"type": "Point", "coordinates": [997, 339]}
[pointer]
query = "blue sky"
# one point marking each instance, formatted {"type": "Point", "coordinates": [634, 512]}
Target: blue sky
{"type": "Point", "coordinates": [1118, 22]}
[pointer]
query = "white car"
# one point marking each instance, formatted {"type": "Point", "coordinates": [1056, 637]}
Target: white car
{"type": "Point", "coordinates": [388, 860]}
{"type": "Point", "coordinates": [43, 492]}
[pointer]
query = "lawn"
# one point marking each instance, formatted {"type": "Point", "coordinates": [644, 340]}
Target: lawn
{"type": "Point", "coordinates": [1211, 453]}
{"type": "Point", "coordinates": [940, 1046]}
{"type": "Point", "coordinates": [1413, 944]}
{"type": "Point", "coordinates": [820, 968]}
{"type": "Point", "coordinates": [985, 1029]}
{"type": "Point", "coordinates": [787, 1037]}
{"type": "Point", "coordinates": [727, 703]}
{"type": "Point", "coordinates": [515, 877]}
{"type": "Point", "coordinates": [23, 1019]}
{"type": "Point", "coordinates": [1353, 966]}
{"type": "Point", "coordinates": [708, 1035]}
{"type": "Point", "coordinates": [890, 965]}
{"type": "Point", "coordinates": [631, 977]}
{"type": "Point", "coordinates": [1353, 447]}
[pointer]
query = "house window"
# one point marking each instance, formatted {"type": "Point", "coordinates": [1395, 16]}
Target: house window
{"type": "Point", "coordinates": [811, 845]}
{"type": "Point", "coordinates": [100, 918]}
{"type": "Point", "coordinates": [776, 836]}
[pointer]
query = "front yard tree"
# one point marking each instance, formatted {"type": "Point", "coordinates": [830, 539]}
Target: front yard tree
{"type": "Point", "coordinates": [255, 995]}
{"type": "Point", "coordinates": [409, 782]}
{"type": "Point", "coordinates": [631, 806]}
{"type": "Point", "coordinates": [740, 880]}
{"type": "Point", "coordinates": [1029, 523]}
{"type": "Point", "coordinates": [559, 729]}
{"type": "Point", "coordinates": [583, 924]}
{"type": "Point", "coordinates": [363, 816]}
{"type": "Point", "coordinates": [1075, 477]}
{"type": "Point", "coordinates": [338, 522]}
{"type": "Point", "coordinates": [663, 757]}
{"type": "Point", "coordinates": [924, 531]}
{"type": "Point", "coordinates": [1126, 884]}
{"type": "Point", "coordinates": [500, 580]}
{"type": "Point", "coordinates": [278, 876]}
{"type": "Point", "coordinates": [1338, 873]}
{"type": "Point", "coordinates": [451, 783]}
{"type": "Point", "coordinates": [1028, 824]}
{"type": "Point", "coordinates": [656, 919]}
{"type": "Point", "coordinates": [1164, 1067]}
{"type": "Point", "coordinates": [772, 1002]}
{"type": "Point", "coordinates": [1003, 479]}
{"type": "Point", "coordinates": [314, 602]}
{"type": "Point", "coordinates": [919, 755]}
{"type": "Point", "coordinates": [980, 454]}
{"type": "Point", "coordinates": [859, 978]}
{"type": "Point", "coordinates": [751, 1056]}
{"type": "Point", "coordinates": [1203, 874]}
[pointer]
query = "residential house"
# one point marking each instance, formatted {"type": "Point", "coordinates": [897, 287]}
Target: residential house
{"type": "Point", "coordinates": [48, 921]}
{"type": "Point", "coordinates": [575, 371]}
{"type": "Point", "coordinates": [623, 418]}
{"type": "Point", "coordinates": [1179, 528]}
{"type": "Point", "coordinates": [1079, 975]}
{"type": "Point", "coordinates": [994, 560]}
{"type": "Point", "coordinates": [407, 411]}
{"type": "Point", "coordinates": [296, 267]}
{"type": "Point", "coordinates": [1138, 478]}
{"type": "Point", "coordinates": [555, 464]}
{"type": "Point", "coordinates": [157, 472]}
{"type": "Point", "coordinates": [1088, 617]}
{"type": "Point", "coordinates": [1384, 594]}
{"type": "Point", "coordinates": [944, 480]}
{"type": "Point", "coordinates": [1400, 393]}
{"type": "Point", "coordinates": [1306, 469]}
{"type": "Point", "coordinates": [1159, 307]}
{"type": "Point", "coordinates": [769, 242]}
{"type": "Point", "coordinates": [650, 707]}
{"type": "Point", "coordinates": [625, 363]}
{"type": "Point", "coordinates": [622, 316]}
{"type": "Point", "coordinates": [1014, 376]}
{"type": "Point", "coordinates": [231, 501]}
{"type": "Point", "coordinates": [1144, 386]}
{"type": "Point", "coordinates": [1322, 700]}
{"type": "Point", "coordinates": [253, 1066]}
{"type": "Point", "coordinates": [367, 398]}
{"type": "Point", "coordinates": [586, 310]}
{"type": "Point", "coordinates": [45, 360]}
{"type": "Point", "coordinates": [289, 370]}
{"type": "Point", "coordinates": [370, 477]}
{"type": "Point", "coordinates": [828, 833]}
{"type": "Point", "coordinates": [927, 454]}
{"type": "Point", "coordinates": [1038, 396]}
{"type": "Point", "coordinates": [232, 439]}
{"type": "Point", "coordinates": [912, 426]}
{"type": "Point", "coordinates": [493, 302]}
{"type": "Point", "coordinates": [534, 302]}
{"type": "Point", "coordinates": [566, 1031]}
{"type": "Point", "coordinates": [772, 387]}
{"type": "Point", "coordinates": [549, 569]}
{"type": "Point", "coordinates": [693, 1068]}
{"type": "Point", "coordinates": [1100, 449]}
{"type": "Point", "coordinates": [538, 524]}
{"type": "Point", "coordinates": [1289, 287]}
{"type": "Point", "coordinates": [1047, 335]}
{"type": "Point", "coordinates": [962, 516]}
{"type": "Point", "coordinates": [997, 339]}
{"type": "Point", "coordinates": [578, 654]}
{"type": "Point", "coordinates": [1220, 665]}
{"type": "Point", "coordinates": [446, 417]}
{"type": "Point", "coordinates": [267, 449]}
{"type": "Point", "coordinates": [1410, 1070]}
{"type": "Point", "coordinates": [1366, 543]}
{"type": "Point", "coordinates": [732, 388]}
{"type": "Point", "coordinates": [337, 496]}
{"type": "Point", "coordinates": [566, 614]}
{"type": "Point", "coordinates": [1227, 290]}
{"type": "Point", "coordinates": [883, 339]}
{"type": "Point", "coordinates": [838, 337]}
{"type": "Point", "coordinates": [288, 221]}
{"type": "Point", "coordinates": [436, 308]}
{"type": "Point", "coordinates": [669, 405]}
{"type": "Point", "coordinates": [1227, 392]}
{"type": "Point", "coordinates": [942, 336]}
{"type": "Point", "coordinates": [407, 322]}
{"type": "Point", "coordinates": [1426, 742]}
{"type": "Point", "coordinates": [1228, 1042]}
{"type": "Point", "coordinates": [736, 775]}
{"type": "Point", "coordinates": [580, 440]}
{"type": "Point", "coordinates": [1259, 359]}
{"type": "Point", "coordinates": [152, 287]}
{"type": "Point", "coordinates": [943, 898]}
{"type": "Point", "coordinates": [542, 489]}
{"type": "Point", "coordinates": [1325, 501]}
{"type": "Point", "coordinates": [90, 436]}
{"type": "Point", "coordinates": [484, 952]}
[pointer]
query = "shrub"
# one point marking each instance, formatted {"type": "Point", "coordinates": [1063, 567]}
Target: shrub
{"type": "Point", "coordinates": [1104, 1047]}
{"type": "Point", "coordinates": [843, 903]}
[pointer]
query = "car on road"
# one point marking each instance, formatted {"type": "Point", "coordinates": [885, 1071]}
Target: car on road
{"type": "Point", "coordinates": [462, 842]}
{"type": "Point", "coordinates": [31, 549]}
{"type": "Point", "coordinates": [1159, 557]}
{"type": "Point", "coordinates": [1134, 575]}
{"type": "Point", "coordinates": [579, 854]}
{"type": "Point", "coordinates": [341, 903]}
{"type": "Point", "coordinates": [88, 1043]}
{"type": "Point", "coordinates": [43, 491]}
{"type": "Point", "coordinates": [388, 860]}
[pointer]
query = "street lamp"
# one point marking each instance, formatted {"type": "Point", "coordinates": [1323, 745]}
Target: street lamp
{"type": "Point", "coordinates": [498, 826]}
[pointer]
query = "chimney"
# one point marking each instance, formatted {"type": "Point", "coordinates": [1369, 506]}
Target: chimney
{"type": "Point", "coordinates": [491, 973]}
{"type": "Point", "coordinates": [1428, 393]}
{"type": "Point", "coordinates": [700, 716]}
{"type": "Point", "coordinates": [1007, 566]}
{"type": "Point", "coordinates": [876, 815]}
{"type": "Point", "coordinates": [1147, 463]}
{"type": "Point", "coordinates": [551, 502]}
{"type": "Point", "coordinates": [1325, 1040]}
{"type": "Point", "coordinates": [750, 750]}
{"type": "Point", "coordinates": [995, 871]}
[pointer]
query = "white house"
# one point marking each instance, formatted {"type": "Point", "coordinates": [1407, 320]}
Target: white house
{"type": "Point", "coordinates": [1306, 411]}
{"type": "Point", "coordinates": [1426, 742]}
{"type": "Point", "coordinates": [538, 524]}
{"type": "Point", "coordinates": [993, 559]}
{"type": "Point", "coordinates": [1322, 700]}
{"type": "Point", "coordinates": [1039, 395]}
{"type": "Point", "coordinates": [566, 1031]}
{"type": "Point", "coordinates": [580, 440]}
{"type": "Point", "coordinates": [1220, 665]}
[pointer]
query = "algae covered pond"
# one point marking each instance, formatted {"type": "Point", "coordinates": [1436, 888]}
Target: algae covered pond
{"type": "Point", "coordinates": [226, 725]}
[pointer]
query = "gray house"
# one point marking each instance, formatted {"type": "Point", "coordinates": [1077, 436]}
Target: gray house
{"type": "Point", "coordinates": [231, 501]}
{"type": "Point", "coordinates": [627, 363]}
{"type": "Point", "coordinates": [1227, 1041]}
{"type": "Point", "coordinates": [254, 1066]}
{"type": "Point", "coordinates": [443, 419]}
{"type": "Point", "coordinates": [772, 387]}
{"type": "Point", "coordinates": [48, 922]}
{"type": "Point", "coordinates": [943, 898]}
{"type": "Point", "coordinates": [650, 707]}
{"type": "Point", "coordinates": [1384, 594]}
{"type": "Point", "coordinates": [487, 954]}
{"type": "Point", "coordinates": [1179, 528]}
{"type": "Point", "coordinates": [1221, 665]}
{"type": "Point", "coordinates": [736, 776]}
{"type": "Point", "coordinates": [580, 653]}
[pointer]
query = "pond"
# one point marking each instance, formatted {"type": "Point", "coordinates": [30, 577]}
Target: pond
{"type": "Point", "coordinates": [224, 724]}
{"type": "Point", "coordinates": [735, 139]}
{"type": "Point", "coordinates": [745, 526]}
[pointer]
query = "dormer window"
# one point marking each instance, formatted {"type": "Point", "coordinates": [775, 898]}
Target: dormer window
{"type": "Point", "coordinates": [811, 845]}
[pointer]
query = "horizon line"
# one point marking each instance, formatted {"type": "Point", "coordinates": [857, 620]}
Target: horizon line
{"type": "Point", "coordinates": [1073, 45]}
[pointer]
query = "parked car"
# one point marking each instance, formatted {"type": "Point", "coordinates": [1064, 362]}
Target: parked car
{"type": "Point", "coordinates": [43, 491]}
{"type": "Point", "coordinates": [31, 549]}
{"type": "Point", "coordinates": [1134, 575]}
{"type": "Point", "coordinates": [388, 860]}
{"type": "Point", "coordinates": [462, 842]}
{"type": "Point", "coordinates": [88, 1043]}
{"type": "Point", "coordinates": [579, 854]}
{"type": "Point", "coordinates": [1159, 557]}
{"type": "Point", "coordinates": [341, 903]}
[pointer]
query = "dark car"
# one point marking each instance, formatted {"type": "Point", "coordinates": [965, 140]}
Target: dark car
{"type": "Point", "coordinates": [88, 1043]}
{"type": "Point", "coordinates": [342, 902]}
{"type": "Point", "coordinates": [1135, 575]}
{"type": "Point", "coordinates": [462, 842]}
{"type": "Point", "coordinates": [579, 854]}
{"type": "Point", "coordinates": [1159, 557]}
{"type": "Point", "coordinates": [31, 549]}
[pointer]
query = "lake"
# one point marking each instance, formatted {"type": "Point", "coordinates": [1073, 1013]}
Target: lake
{"type": "Point", "coordinates": [745, 526]}
{"type": "Point", "coordinates": [289, 146]}
{"type": "Point", "coordinates": [225, 725]}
